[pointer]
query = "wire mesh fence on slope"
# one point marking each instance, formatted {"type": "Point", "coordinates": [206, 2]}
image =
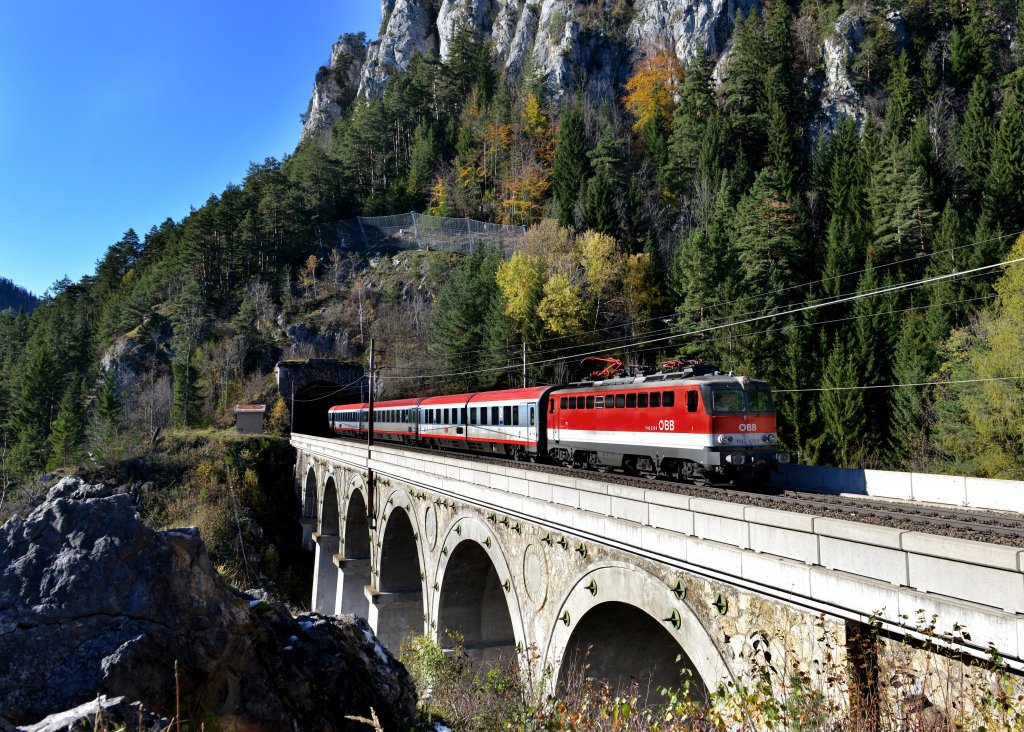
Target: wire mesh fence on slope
{"type": "Point", "coordinates": [374, 234]}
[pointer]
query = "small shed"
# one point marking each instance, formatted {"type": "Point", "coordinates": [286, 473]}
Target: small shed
{"type": "Point", "coordinates": [249, 418]}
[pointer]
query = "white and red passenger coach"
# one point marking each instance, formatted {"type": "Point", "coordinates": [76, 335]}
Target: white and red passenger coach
{"type": "Point", "coordinates": [695, 423]}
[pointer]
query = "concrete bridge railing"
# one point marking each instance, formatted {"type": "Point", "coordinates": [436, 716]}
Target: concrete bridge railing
{"type": "Point", "coordinates": [952, 490]}
{"type": "Point", "coordinates": [846, 569]}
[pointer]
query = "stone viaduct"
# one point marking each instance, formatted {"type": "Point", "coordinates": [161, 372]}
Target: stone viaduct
{"type": "Point", "coordinates": [513, 558]}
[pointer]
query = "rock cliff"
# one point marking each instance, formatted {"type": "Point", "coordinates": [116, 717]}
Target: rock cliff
{"type": "Point", "coordinates": [94, 602]}
{"type": "Point", "coordinates": [569, 43]}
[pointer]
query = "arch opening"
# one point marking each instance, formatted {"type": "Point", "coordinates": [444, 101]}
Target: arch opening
{"type": "Point", "coordinates": [309, 494]}
{"type": "Point", "coordinates": [622, 645]}
{"type": "Point", "coordinates": [473, 604]}
{"type": "Point", "coordinates": [354, 569]}
{"type": "Point", "coordinates": [325, 572]}
{"type": "Point", "coordinates": [397, 607]}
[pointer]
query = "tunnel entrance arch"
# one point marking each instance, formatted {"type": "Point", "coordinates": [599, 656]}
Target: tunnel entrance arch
{"type": "Point", "coordinates": [642, 609]}
{"type": "Point", "coordinates": [311, 387]}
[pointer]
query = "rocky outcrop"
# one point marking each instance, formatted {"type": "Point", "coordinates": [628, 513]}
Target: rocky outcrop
{"type": "Point", "coordinates": [838, 98]}
{"type": "Point", "coordinates": [568, 43]}
{"type": "Point", "coordinates": [335, 87]}
{"type": "Point", "coordinates": [94, 602]}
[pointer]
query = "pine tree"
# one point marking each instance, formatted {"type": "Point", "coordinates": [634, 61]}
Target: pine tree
{"type": "Point", "coordinates": [899, 112]}
{"type": "Point", "coordinates": [843, 414]}
{"type": "Point", "coordinates": [780, 132]}
{"type": "Point", "coordinates": [422, 160]}
{"type": "Point", "coordinates": [1004, 188]}
{"type": "Point", "coordinates": [32, 409]}
{"type": "Point", "coordinates": [600, 201]}
{"type": "Point", "coordinates": [976, 135]}
{"type": "Point", "coordinates": [690, 120]}
{"type": "Point", "coordinates": [570, 168]}
{"type": "Point", "coordinates": [911, 365]}
{"type": "Point", "coordinates": [743, 87]}
{"type": "Point", "coordinates": [68, 431]}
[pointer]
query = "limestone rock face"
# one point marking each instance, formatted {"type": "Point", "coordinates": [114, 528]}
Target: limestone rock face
{"type": "Point", "coordinates": [94, 602]}
{"type": "Point", "coordinates": [838, 97]}
{"type": "Point", "coordinates": [335, 87]}
{"type": "Point", "coordinates": [570, 44]}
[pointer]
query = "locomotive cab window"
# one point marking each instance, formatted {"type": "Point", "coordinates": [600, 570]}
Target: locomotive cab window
{"type": "Point", "coordinates": [728, 401]}
{"type": "Point", "coordinates": [691, 400]}
{"type": "Point", "coordinates": [760, 398]}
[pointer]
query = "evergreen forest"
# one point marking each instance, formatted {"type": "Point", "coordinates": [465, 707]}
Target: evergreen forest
{"type": "Point", "coordinates": [869, 265]}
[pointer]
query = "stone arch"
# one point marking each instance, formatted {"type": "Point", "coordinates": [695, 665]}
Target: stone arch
{"type": "Point", "coordinates": [397, 605]}
{"type": "Point", "coordinates": [325, 571]}
{"type": "Point", "coordinates": [354, 564]}
{"type": "Point", "coordinates": [628, 615]}
{"type": "Point", "coordinates": [477, 595]}
{"type": "Point", "coordinates": [309, 493]}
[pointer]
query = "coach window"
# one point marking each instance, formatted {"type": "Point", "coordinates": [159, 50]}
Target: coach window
{"type": "Point", "coordinates": [668, 399]}
{"type": "Point", "coordinates": [464, 410]}
{"type": "Point", "coordinates": [494, 415]}
{"type": "Point", "coordinates": [655, 399]}
{"type": "Point", "coordinates": [483, 415]}
{"type": "Point", "coordinates": [631, 400]}
{"type": "Point", "coordinates": [620, 401]}
{"type": "Point", "coordinates": [507, 415]}
{"type": "Point", "coordinates": [590, 402]}
{"type": "Point", "coordinates": [445, 417]}
{"type": "Point", "coordinates": [563, 403]}
{"type": "Point", "coordinates": [691, 400]}
{"type": "Point", "coordinates": [472, 415]}
{"type": "Point", "coordinates": [515, 416]}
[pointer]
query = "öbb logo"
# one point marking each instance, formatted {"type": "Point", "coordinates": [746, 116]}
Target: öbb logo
{"type": "Point", "coordinates": [748, 427]}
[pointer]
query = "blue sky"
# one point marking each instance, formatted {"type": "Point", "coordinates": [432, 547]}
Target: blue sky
{"type": "Point", "coordinates": [116, 114]}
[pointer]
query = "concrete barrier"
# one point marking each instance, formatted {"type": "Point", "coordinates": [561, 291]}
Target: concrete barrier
{"type": "Point", "coordinates": [950, 490]}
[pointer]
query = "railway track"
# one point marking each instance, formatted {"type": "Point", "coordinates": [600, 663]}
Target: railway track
{"type": "Point", "coordinates": [993, 527]}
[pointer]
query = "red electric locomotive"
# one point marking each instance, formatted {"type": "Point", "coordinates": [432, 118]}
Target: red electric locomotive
{"type": "Point", "coordinates": [694, 423]}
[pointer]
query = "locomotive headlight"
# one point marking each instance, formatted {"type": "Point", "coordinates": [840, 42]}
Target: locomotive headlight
{"type": "Point", "coordinates": [773, 438]}
{"type": "Point", "coordinates": [724, 439]}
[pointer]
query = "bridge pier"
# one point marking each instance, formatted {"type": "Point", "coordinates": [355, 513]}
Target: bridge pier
{"type": "Point", "coordinates": [353, 577]}
{"type": "Point", "coordinates": [395, 615]}
{"type": "Point", "coordinates": [308, 524]}
{"type": "Point", "coordinates": [325, 580]}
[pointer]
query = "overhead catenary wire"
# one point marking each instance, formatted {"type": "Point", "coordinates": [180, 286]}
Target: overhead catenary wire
{"type": "Point", "coordinates": [745, 321]}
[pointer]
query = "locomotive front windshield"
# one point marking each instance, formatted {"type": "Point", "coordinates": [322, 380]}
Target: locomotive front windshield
{"type": "Point", "coordinates": [756, 399]}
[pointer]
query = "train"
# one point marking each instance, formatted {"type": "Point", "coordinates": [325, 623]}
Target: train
{"type": "Point", "coordinates": [696, 423]}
